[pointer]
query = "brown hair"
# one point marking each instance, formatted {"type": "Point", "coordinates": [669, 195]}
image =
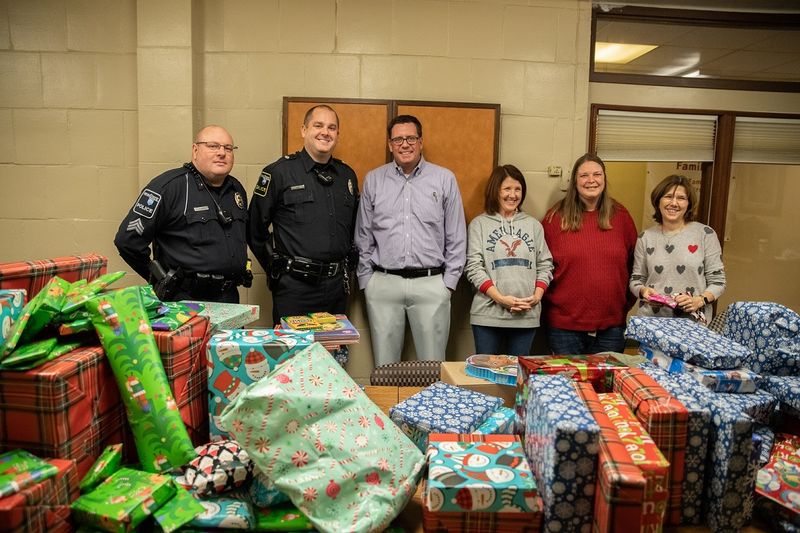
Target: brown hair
{"type": "Point", "coordinates": [571, 207]}
{"type": "Point", "coordinates": [310, 113]}
{"type": "Point", "coordinates": [668, 184]}
{"type": "Point", "coordinates": [491, 202]}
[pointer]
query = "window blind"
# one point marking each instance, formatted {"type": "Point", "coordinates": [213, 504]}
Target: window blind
{"type": "Point", "coordinates": [636, 136]}
{"type": "Point", "coordinates": [766, 140]}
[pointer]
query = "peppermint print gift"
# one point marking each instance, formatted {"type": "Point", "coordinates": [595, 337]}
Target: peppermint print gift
{"type": "Point", "coordinates": [313, 431]}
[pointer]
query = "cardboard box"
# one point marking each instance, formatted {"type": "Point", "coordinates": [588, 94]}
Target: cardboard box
{"type": "Point", "coordinates": [455, 373]}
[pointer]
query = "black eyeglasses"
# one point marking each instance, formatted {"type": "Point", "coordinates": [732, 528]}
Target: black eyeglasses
{"type": "Point", "coordinates": [214, 147]}
{"type": "Point", "coordinates": [398, 141]}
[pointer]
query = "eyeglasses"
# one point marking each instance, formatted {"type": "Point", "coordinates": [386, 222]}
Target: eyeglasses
{"type": "Point", "coordinates": [214, 147]}
{"type": "Point", "coordinates": [398, 141]}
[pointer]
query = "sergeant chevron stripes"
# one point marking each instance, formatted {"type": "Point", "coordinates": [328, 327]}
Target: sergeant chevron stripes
{"type": "Point", "coordinates": [136, 225]}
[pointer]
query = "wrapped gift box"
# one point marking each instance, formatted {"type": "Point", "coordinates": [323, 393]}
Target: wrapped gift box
{"type": "Point", "coordinates": [224, 316]}
{"type": "Point", "coordinates": [561, 442]}
{"type": "Point", "coordinates": [771, 331]}
{"type": "Point", "coordinates": [785, 388]}
{"type": "Point", "coordinates": [645, 455]}
{"type": "Point", "coordinates": [455, 373]}
{"type": "Point", "coordinates": [183, 355]}
{"type": "Point", "coordinates": [620, 491]}
{"type": "Point", "coordinates": [68, 408]}
{"type": "Point", "coordinates": [697, 435]}
{"type": "Point", "coordinates": [34, 275]}
{"type": "Point", "coordinates": [442, 408]}
{"type": "Point", "coordinates": [666, 421]}
{"type": "Point", "coordinates": [479, 473]}
{"type": "Point", "coordinates": [739, 380]}
{"type": "Point", "coordinates": [728, 496]}
{"type": "Point", "coordinates": [778, 479]}
{"type": "Point", "coordinates": [123, 501]}
{"type": "Point", "coordinates": [767, 441]}
{"type": "Point", "coordinates": [499, 422]}
{"type": "Point", "coordinates": [236, 358]}
{"type": "Point", "coordinates": [11, 303]}
{"type": "Point", "coordinates": [481, 522]}
{"type": "Point", "coordinates": [598, 369]}
{"type": "Point", "coordinates": [43, 507]}
{"type": "Point", "coordinates": [687, 340]}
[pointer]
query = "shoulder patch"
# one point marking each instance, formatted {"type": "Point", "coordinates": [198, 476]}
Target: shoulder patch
{"type": "Point", "coordinates": [262, 187]}
{"type": "Point", "coordinates": [147, 203]}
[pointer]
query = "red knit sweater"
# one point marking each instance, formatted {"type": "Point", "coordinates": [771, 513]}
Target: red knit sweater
{"type": "Point", "coordinates": [589, 290]}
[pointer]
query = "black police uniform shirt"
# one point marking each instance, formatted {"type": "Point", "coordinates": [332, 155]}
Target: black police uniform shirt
{"type": "Point", "coordinates": [309, 218]}
{"type": "Point", "coordinates": [176, 213]}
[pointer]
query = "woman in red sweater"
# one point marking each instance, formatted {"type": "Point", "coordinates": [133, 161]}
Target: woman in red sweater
{"type": "Point", "coordinates": [591, 237]}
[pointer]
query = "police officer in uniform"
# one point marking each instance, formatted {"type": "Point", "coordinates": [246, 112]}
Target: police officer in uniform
{"type": "Point", "coordinates": [310, 198]}
{"type": "Point", "coordinates": [195, 217]}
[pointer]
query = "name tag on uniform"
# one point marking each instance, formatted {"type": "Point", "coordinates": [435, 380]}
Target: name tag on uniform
{"type": "Point", "coordinates": [297, 187]}
{"type": "Point", "coordinates": [202, 208]}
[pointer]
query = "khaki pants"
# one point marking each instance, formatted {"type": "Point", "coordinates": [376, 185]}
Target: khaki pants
{"type": "Point", "coordinates": [426, 302]}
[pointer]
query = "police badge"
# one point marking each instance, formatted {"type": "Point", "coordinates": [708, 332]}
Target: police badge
{"type": "Point", "coordinates": [239, 200]}
{"type": "Point", "coordinates": [350, 186]}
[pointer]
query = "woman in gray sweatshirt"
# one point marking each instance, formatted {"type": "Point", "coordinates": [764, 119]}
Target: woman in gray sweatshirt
{"type": "Point", "coordinates": [509, 265]}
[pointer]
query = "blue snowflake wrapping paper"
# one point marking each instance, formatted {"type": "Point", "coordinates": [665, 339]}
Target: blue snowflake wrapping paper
{"type": "Point", "coordinates": [784, 388]}
{"type": "Point", "coordinates": [731, 466]}
{"type": "Point", "coordinates": [698, 430]}
{"type": "Point", "coordinates": [442, 408]}
{"type": "Point", "coordinates": [772, 333]}
{"type": "Point", "coordinates": [767, 440]}
{"type": "Point", "coordinates": [561, 442]}
{"type": "Point", "coordinates": [499, 422]}
{"type": "Point", "coordinates": [739, 380]}
{"type": "Point", "coordinates": [687, 340]}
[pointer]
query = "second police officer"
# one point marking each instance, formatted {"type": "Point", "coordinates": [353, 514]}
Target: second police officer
{"type": "Point", "coordinates": [310, 198]}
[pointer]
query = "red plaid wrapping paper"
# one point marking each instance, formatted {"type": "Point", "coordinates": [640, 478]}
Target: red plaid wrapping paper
{"type": "Point", "coordinates": [646, 455]}
{"type": "Point", "coordinates": [33, 275]}
{"type": "Point", "coordinates": [598, 369]}
{"type": "Point", "coordinates": [620, 490]}
{"type": "Point", "coordinates": [449, 522]}
{"type": "Point", "coordinates": [183, 355]}
{"type": "Point", "coordinates": [44, 506]}
{"type": "Point", "coordinates": [665, 419]}
{"type": "Point", "coordinates": [68, 408]}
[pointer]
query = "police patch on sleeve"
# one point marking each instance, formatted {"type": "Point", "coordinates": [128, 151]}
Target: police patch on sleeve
{"type": "Point", "coordinates": [147, 203]}
{"type": "Point", "coordinates": [263, 184]}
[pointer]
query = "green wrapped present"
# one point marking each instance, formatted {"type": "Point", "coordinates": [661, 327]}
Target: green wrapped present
{"type": "Point", "coordinates": [36, 354]}
{"type": "Point", "coordinates": [123, 501]}
{"type": "Point", "coordinates": [162, 441]}
{"type": "Point", "coordinates": [283, 517]}
{"type": "Point", "coordinates": [103, 467]}
{"type": "Point", "coordinates": [20, 469]}
{"type": "Point", "coordinates": [178, 511]}
{"type": "Point", "coordinates": [80, 291]}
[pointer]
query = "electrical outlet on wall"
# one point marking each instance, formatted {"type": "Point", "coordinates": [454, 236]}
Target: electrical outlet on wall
{"type": "Point", "coordinates": [564, 182]}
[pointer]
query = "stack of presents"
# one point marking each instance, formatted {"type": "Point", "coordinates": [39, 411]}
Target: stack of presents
{"type": "Point", "coordinates": [119, 412]}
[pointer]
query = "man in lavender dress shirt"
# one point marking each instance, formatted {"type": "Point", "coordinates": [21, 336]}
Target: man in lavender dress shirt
{"type": "Point", "coordinates": [412, 242]}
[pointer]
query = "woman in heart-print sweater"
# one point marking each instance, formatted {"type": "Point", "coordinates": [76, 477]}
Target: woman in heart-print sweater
{"type": "Point", "coordinates": [677, 257]}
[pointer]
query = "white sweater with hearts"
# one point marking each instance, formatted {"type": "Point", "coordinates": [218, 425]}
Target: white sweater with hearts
{"type": "Point", "coordinates": [689, 261]}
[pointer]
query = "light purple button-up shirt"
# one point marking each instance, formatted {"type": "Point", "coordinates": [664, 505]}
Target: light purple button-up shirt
{"type": "Point", "coordinates": [414, 222]}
